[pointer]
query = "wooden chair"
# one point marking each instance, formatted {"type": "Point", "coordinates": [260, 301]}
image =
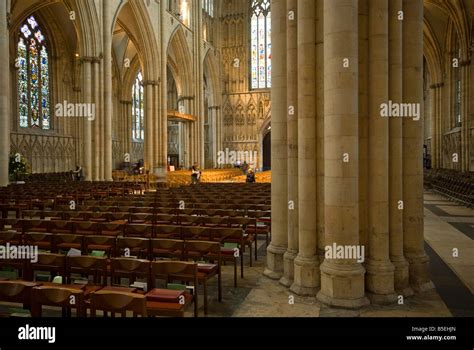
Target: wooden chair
{"type": "Point", "coordinates": [210, 252]}
{"type": "Point", "coordinates": [109, 229]}
{"type": "Point", "coordinates": [132, 246]}
{"type": "Point", "coordinates": [118, 218]}
{"type": "Point", "coordinates": [167, 231]}
{"type": "Point", "coordinates": [65, 242]}
{"type": "Point", "coordinates": [118, 302]}
{"type": "Point", "coordinates": [141, 218]}
{"type": "Point", "coordinates": [87, 266]}
{"type": "Point", "coordinates": [66, 298]}
{"type": "Point", "coordinates": [193, 232]}
{"type": "Point", "coordinates": [129, 268]}
{"type": "Point", "coordinates": [52, 263]}
{"type": "Point", "coordinates": [169, 271]}
{"type": "Point", "coordinates": [99, 243]}
{"type": "Point", "coordinates": [16, 292]}
{"type": "Point", "coordinates": [97, 216]}
{"type": "Point", "coordinates": [248, 225]}
{"type": "Point", "coordinates": [86, 228]}
{"type": "Point", "coordinates": [60, 226]}
{"type": "Point", "coordinates": [230, 235]}
{"type": "Point", "coordinates": [35, 226]}
{"type": "Point", "coordinates": [143, 231]}
{"type": "Point", "coordinates": [75, 216]}
{"type": "Point", "coordinates": [43, 241]}
{"type": "Point", "coordinates": [166, 248]}
{"type": "Point", "coordinates": [12, 237]}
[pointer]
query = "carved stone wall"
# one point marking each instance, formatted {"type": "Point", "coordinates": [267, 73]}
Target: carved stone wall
{"type": "Point", "coordinates": [45, 153]}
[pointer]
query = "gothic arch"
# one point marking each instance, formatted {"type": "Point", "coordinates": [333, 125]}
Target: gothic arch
{"type": "Point", "coordinates": [133, 18]}
{"type": "Point", "coordinates": [179, 59]}
{"type": "Point", "coordinates": [212, 76]}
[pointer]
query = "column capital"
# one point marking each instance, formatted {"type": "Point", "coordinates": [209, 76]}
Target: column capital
{"type": "Point", "coordinates": [92, 59]}
{"type": "Point", "coordinates": [183, 98]}
{"type": "Point", "coordinates": [437, 85]}
{"type": "Point", "coordinates": [151, 82]}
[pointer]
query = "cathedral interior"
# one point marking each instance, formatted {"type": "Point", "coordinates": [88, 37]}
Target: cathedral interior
{"type": "Point", "coordinates": [237, 158]}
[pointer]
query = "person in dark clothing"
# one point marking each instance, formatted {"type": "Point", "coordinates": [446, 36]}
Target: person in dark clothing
{"type": "Point", "coordinates": [250, 176]}
{"type": "Point", "coordinates": [195, 175]}
{"type": "Point", "coordinates": [77, 174]}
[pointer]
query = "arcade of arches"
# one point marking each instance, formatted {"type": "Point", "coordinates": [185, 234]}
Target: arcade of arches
{"type": "Point", "coordinates": [105, 83]}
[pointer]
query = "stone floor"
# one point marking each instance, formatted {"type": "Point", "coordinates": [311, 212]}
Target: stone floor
{"type": "Point", "coordinates": [448, 226]}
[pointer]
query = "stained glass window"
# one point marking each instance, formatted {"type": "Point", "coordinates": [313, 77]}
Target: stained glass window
{"type": "Point", "coordinates": [138, 131]}
{"type": "Point", "coordinates": [261, 45]}
{"type": "Point", "coordinates": [33, 77]}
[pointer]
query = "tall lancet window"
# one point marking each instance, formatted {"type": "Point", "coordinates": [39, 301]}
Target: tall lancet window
{"type": "Point", "coordinates": [138, 120]}
{"type": "Point", "coordinates": [457, 87]}
{"type": "Point", "coordinates": [261, 45]}
{"type": "Point", "coordinates": [33, 77]}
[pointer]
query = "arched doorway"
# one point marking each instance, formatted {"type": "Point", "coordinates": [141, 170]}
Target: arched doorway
{"type": "Point", "coordinates": [267, 151]}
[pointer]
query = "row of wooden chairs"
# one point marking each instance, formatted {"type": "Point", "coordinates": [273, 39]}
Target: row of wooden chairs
{"type": "Point", "coordinates": [100, 268]}
{"type": "Point", "coordinates": [143, 248]}
{"type": "Point", "coordinates": [55, 237]}
{"type": "Point", "coordinates": [35, 295]}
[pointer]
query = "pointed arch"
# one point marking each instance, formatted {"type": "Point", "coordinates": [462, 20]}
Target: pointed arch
{"type": "Point", "coordinates": [179, 56]}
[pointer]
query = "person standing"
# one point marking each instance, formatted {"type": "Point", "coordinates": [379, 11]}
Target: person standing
{"type": "Point", "coordinates": [195, 175]}
{"type": "Point", "coordinates": [250, 176]}
{"type": "Point", "coordinates": [77, 174]}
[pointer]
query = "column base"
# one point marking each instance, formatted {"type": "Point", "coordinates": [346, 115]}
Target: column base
{"type": "Point", "coordinates": [401, 280]}
{"type": "Point", "coordinates": [288, 267]}
{"type": "Point", "coordinates": [307, 276]}
{"type": "Point", "coordinates": [419, 274]}
{"type": "Point", "coordinates": [343, 285]}
{"type": "Point", "coordinates": [160, 171]}
{"type": "Point", "coordinates": [380, 282]}
{"type": "Point", "coordinates": [274, 269]}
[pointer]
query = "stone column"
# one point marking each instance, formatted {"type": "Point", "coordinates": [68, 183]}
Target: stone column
{"type": "Point", "coordinates": [157, 128]}
{"type": "Point", "coordinates": [413, 240]}
{"type": "Point", "coordinates": [306, 264]}
{"type": "Point", "coordinates": [127, 119]}
{"type": "Point", "coordinates": [292, 135]}
{"type": "Point", "coordinates": [164, 113]}
{"type": "Point", "coordinates": [465, 127]}
{"type": "Point", "coordinates": [148, 96]}
{"type": "Point", "coordinates": [4, 94]}
{"type": "Point", "coordinates": [433, 123]}
{"type": "Point", "coordinates": [279, 242]}
{"type": "Point", "coordinates": [96, 128]}
{"type": "Point", "coordinates": [87, 89]}
{"type": "Point", "coordinates": [363, 122]}
{"type": "Point", "coordinates": [108, 106]}
{"type": "Point", "coordinates": [395, 153]}
{"type": "Point", "coordinates": [320, 228]}
{"type": "Point", "coordinates": [342, 280]}
{"type": "Point", "coordinates": [101, 121]}
{"type": "Point", "coordinates": [438, 152]}
{"type": "Point", "coordinates": [380, 280]}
